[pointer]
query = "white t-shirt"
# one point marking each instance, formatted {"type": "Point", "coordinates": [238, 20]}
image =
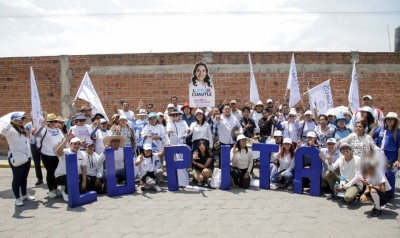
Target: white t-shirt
{"type": "Point", "coordinates": [179, 130]}
{"type": "Point", "coordinates": [82, 132]}
{"type": "Point", "coordinates": [309, 126]}
{"type": "Point", "coordinates": [100, 135]}
{"type": "Point", "coordinates": [129, 114]}
{"type": "Point", "coordinates": [148, 165]}
{"type": "Point", "coordinates": [52, 138]}
{"type": "Point", "coordinates": [256, 116]}
{"type": "Point", "coordinates": [157, 130]}
{"type": "Point", "coordinates": [93, 167]}
{"type": "Point", "coordinates": [378, 179]}
{"type": "Point", "coordinates": [61, 168]}
{"type": "Point", "coordinates": [291, 130]}
{"type": "Point", "coordinates": [202, 132]}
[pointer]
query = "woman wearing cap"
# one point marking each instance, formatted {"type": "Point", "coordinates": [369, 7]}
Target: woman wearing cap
{"type": "Point", "coordinates": [323, 131]}
{"type": "Point", "coordinates": [360, 142]}
{"type": "Point", "coordinates": [341, 130]}
{"type": "Point", "coordinates": [307, 125]}
{"type": "Point", "coordinates": [149, 167]}
{"type": "Point", "coordinates": [378, 189]}
{"type": "Point", "coordinates": [257, 114]}
{"type": "Point", "coordinates": [81, 130]}
{"type": "Point", "coordinates": [99, 133]}
{"type": "Point", "coordinates": [18, 142]}
{"type": "Point", "coordinates": [274, 162]}
{"type": "Point", "coordinates": [138, 126]}
{"type": "Point", "coordinates": [368, 118]}
{"type": "Point", "coordinates": [388, 138]}
{"type": "Point", "coordinates": [61, 171]}
{"type": "Point", "coordinates": [49, 137]}
{"type": "Point", "coordinates": [170, 107]}
{"type": "Point", "coordinates": [284, 176]}
{"type": "Point", "coordinates": [200, 130]}
{"type": "Point", "coordinates": [154, 133]}
{"type": "Point", "coordinates": [292, 127]}
{"type": "Point", "coordinates": [125, 130]}
{"type": "Point", "coordinates": [311, 140]}
{"type": "Point", "coordinates": [201, 161]}
{"type": "Point", "coordinates": [241, 163]}
{"type": "Point", "coordinates": [187, 116]}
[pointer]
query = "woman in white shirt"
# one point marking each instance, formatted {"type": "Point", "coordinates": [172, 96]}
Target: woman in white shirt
{"type": "Point", "coordinates": [241, 163]}
{"type": "Point", "coordinates": [99, 133]}
{"type": "Point", "coordinates": [18, 142]}
{"type": "Point", "coordinates": [200, 130]}
{"type": "Point", "coordinates": [150, 169]}
{"type": "Point", "coordinates": [377, 187]}
{"type": "Point", "coordinates": [284, 176]}
{"type": "Point", "coordinates": [49, 137]}
{"type": "Point", "coordinates": [81, 130]}
{"type": "Point", "coordinates": [154, 133]}
{"type": "Point", "coordinates": [291, 127]}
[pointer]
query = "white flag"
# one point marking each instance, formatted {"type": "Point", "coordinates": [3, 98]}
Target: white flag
{"type": "Point", "coordinates": [254, 97]}
{"type": "Point", "coordinates": [293, 84]}
{"type": "Point", "coordinates": [354, 101]}
{"type": "Point", "coordinates": [321, 97]}
{"type": "Point", "coordinates": [87, 92]}
{"type": "Point", "coordinates": [37, 115]}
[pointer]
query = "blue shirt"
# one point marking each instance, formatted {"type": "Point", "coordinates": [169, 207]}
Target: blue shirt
{"type": "Point", "coordinates": [391, 146]}
{"type": "Point", "coordinates": [326, 153]}
{"type": "Point", "coordinates": [188, 120]}
{"type": "Point", "coordinates": [338, 134]}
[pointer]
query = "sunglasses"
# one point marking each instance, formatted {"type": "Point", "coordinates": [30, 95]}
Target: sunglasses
{"type": "Point", "coordinates": [175, 115]}
{"type": "Point", "coordinates": [292, 116]}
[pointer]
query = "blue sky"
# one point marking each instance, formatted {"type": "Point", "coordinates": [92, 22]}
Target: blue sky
{"type": "Point", "coordinates": [71, 33]}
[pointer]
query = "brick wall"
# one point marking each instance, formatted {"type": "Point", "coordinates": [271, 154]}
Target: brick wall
{"type": "Point", "coordinates": [158, 86]}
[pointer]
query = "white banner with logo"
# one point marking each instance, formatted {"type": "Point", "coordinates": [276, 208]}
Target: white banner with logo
{"type": "Point", "coordinates": [321, 97]}
{"type": "Point", "coordinates": [37, 115]}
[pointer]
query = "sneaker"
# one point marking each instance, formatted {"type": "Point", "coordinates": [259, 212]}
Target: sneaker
{"type": "Point", "coordinates": [28, 198]}
{"type": "Point", "coordinates": [290, 186]}
{"type": "Point", "coordinates": [330, 196]}
{"type": "Point", "coordinates": [18, 202]}
{"type": "Point", "coordinates": [65, 196]}
{"type": "Point", "coordinates": [376, 213]}
{"type": "Point", "coordinates": [38, 182]}
{"type": "Point", "coordinates": [52, 194]}
{"type": "Point", "coordinates": [206, 184]}
{"type": "Point", "coordinates": [157, 188]}
{"type": "Point", "coordinates": [145, 187]}
{"type": "Point", "coordinates": [57, 191]}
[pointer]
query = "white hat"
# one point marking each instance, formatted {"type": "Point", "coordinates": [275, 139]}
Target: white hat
{"type": "Point", "coordinates": [293, 112]}
{"type": "Point", "coordinates": [233, 102]}
{"type": "Point", "coordinates": [241, 136]}
{"type": "Point", "coordinates": [170, 105]}
{"type": "Point", "coordinates": [269, 100]}
{"type": "Point", "coordinates": [142, 112]}
{"type": "Point", "coordinates": [123, 117]}
{"type": "Point", "coordinates": [277, 133]}
{"type": "Point", "coordinates": [160, 114]}
{"type": "Point", "coordinates": [392, 115]}
{"type": "Point", "coordinates": [344, 145]}
{"type": "Point", "coordinates": [367, 96]}
{"type": "Point", "coordinates": [366, 109]}
{"type": "Point", "coordinates": [311, 134]}
{"type": "Point", "coordinates": [331, 140]}
{"type": "Point", "coordinates": [108, 139]}
{"type": "Point", "coordinates": [308, 112]}
{"type": "Point", "coordinates": [259, 103]}
{"type": "Point", "coordinates": [75, 139]}
{"type": "Point", "coordinates": [102, 120]}
{"type": "Point", "coordinates": [199, 111]}
{"type": "Point", "coordinates": [287, 141]}
{"type": "Point", "coordinates": [147, 147]}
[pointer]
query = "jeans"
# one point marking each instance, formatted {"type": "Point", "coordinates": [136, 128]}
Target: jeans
{"type": "Point", "coordinates": [36, 161]}
{"type": "Point", "coordinates": [287, 177]}
{"type": "Point", "coordinates": [50, 163]}
{"type": "Point", "coordinates": [119, 174]}
{"type": "Point", "coordinates": [20, 177]}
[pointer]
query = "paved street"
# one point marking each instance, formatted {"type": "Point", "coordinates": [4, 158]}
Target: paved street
{"type": "Point", "coordinates": [235, 213]}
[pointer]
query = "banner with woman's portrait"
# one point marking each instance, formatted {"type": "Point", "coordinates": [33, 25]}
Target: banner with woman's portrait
{"type": "Point", "coordinates": [201, 89]}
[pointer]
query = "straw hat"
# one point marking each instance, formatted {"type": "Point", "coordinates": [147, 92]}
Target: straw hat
{"type": "Point", "coordinates": [259, 103]}
{"type": "Point", "coordinates": [142, 112]}
{"type": "Point", "coordinates": [60, 118]}
{"type": "Point", "coordinates": [108, 139]}
{"type": "Point", "coordinates": [51, 117]}
{"type": "Point", "coordinates": [392, 115]}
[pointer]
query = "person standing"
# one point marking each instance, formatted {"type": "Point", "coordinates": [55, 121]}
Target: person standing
{"type": "Point", "coordinates": [124, 129]}
{"type": "Point", "coordinates": [50, 137]}
{"type": "Point", "coordinates": [19, 145]}
{"type": "Point", "coordinates": [248, 124]}
{"type": "Point", "coordinates": [125, 110]}
{"type": "Point", "coordinates": [99, 133]}
{"type": "Point", "coordinates": [376, 112]}
{"type": "Point", "coordinates": [225, 123]}
{"type": "Point", "coordinates": [81, 130]}
{"type": "Point", "coordinates": [200, 130]}
{"type": "Point", "coordinates": [236, 112]}
{"type": "Point", "coordinates": [154, 133]}
{"type": "Point", "coordinates": [256, 115]}
{"type": "Point", "coordinates": [267, 124]}
{"type": "Point", "coordinates": [187, 116]}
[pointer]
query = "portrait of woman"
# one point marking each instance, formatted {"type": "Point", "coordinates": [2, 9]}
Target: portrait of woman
{"type": "Point", "coordinates": [201, 89]}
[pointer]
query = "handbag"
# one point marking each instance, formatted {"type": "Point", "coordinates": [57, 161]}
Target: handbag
{"type": "Point", "coordinates": [216, 179]}
{"type": "Point", "coordinates": [18, 159]}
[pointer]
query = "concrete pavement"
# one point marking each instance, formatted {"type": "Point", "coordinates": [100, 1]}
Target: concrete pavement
{"type": "Point", "coordinates": [188, 213]}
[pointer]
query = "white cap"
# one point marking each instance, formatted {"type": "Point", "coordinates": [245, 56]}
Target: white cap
{"type": "Point", "coordinates": [366, 109]}
{"type": "Point", "coordinates": [170, 106]}
{"type": "Point", "coordinates": [147, 147]}
{"type": "Point", "coordinates": [233, 102]}
{"type": "Point", "coordinates": [277, 133]}
{"type": "Point", "coordinates": [331, 140]}
{"type": "Point", "coordinates": [287, 141]}
{"type": "Point", "coordinates": [160, 114]}
{"type": "Point", "coordinates": [259, 103]}
{"type": "Point", "coordinates": [308, 112]}
{"type": "Point", "coordinates": [75, 139]}
{"type": "Point", "coordinates": [345, 145]}
{"type": "Point", "coordinates": [199, 111]}
{"type": "Point", "coordinates": [123, 117]}
{"type": "Point", "coordinates": [102, 120]}
{"type": "Point", "coordinates": [367, 96]}
{"type": "Point", "coordinates": [269, 100]}
{"type": "Point", "coordinates": [293, 112]}
{"type": "Point", "coordinates": [241, 136]}
{"type": "Point", "coordinates": [311, 134]}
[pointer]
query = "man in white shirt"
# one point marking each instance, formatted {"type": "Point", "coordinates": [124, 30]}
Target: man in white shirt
{"type": "Point", "coordinates": [125, 110]}
{"type": "Point", "coordinates": [349, 166]}
{"type": "Point", "coordinates": [61, 171]}
{"type": "Point", "coordinates": [256, 115]}
{"type": "Point", "coordinates": [225, 123]}
{"type": "Point", "coordinates": [236, 112]}
{"type": "Point", "coordinates": [94, 169]}
{"type": "Point", "coordinates": [325, 153]}
{"type": "Point", "coordinates": [174, 101]}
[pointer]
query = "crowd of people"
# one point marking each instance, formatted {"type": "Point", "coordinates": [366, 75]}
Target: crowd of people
{"type": "Point", "coordinates": [359, 151]}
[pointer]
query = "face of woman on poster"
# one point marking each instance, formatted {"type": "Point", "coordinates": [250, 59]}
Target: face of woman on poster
{"type": "Point", "coordinates": [201, 73]}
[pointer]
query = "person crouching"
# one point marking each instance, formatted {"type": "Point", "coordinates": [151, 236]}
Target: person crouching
{"type": "Point", "coordinates": [149, 165]}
